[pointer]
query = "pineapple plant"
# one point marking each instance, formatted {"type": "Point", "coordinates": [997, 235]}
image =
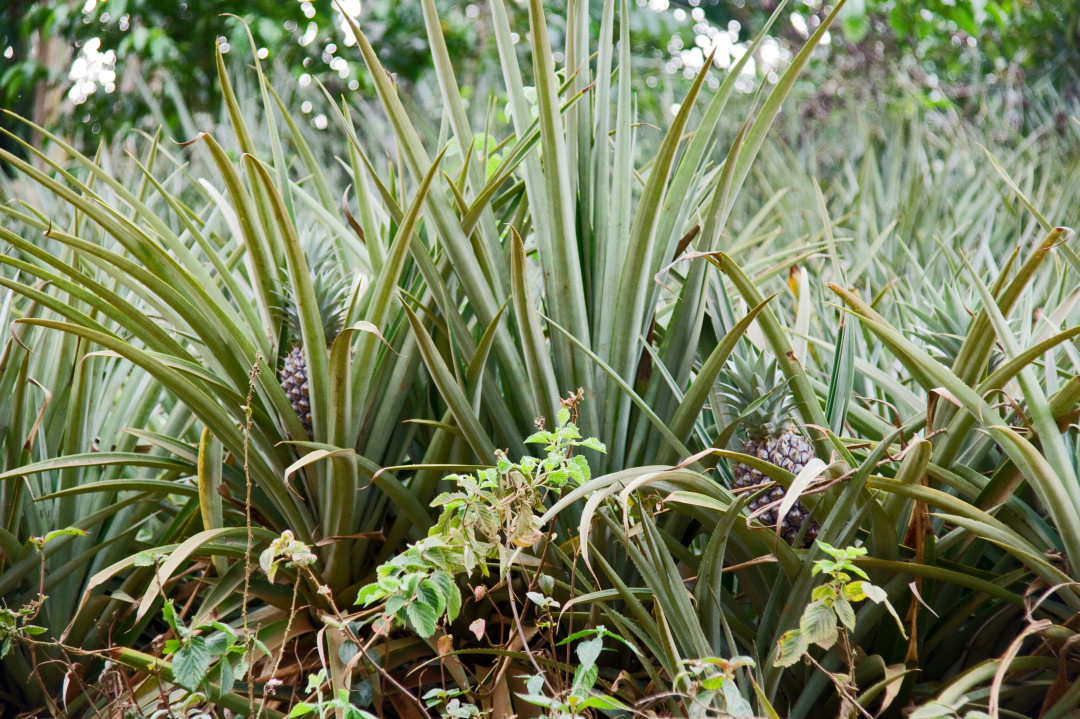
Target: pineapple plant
{"type": "Point", "coordinates": [331, 289]}
{"type": "Point", "coordinates": [943, 323]}
{"type": "Point", "coordinates": [753, 388]}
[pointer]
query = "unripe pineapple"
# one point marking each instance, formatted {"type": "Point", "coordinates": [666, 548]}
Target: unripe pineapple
{"type": "Point", "coordinates": [331, 289]}
{"type": "Point", "coordinates": [756, 392]}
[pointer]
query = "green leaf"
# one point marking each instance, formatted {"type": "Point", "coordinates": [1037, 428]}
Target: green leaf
{"type": "Point", "coordinates": [422, 617]}
{"type": "Point", "coordinates": [226, 675]}
{"type": "Point", "coordinates": [191, 664]}
{"type": "Point", "coordinates": [69, 532]}
{"type": "Point", "coordinates": [168, 613]}
{"type": "Point", "coordinates": [737, 706]}
{"type": "Point", "coordinates": [534, 685]}
{"type": "Point", "coordinates": [588, 652]}
{"type": "Point", "coordinates": [585, 677]}
{"type": "Point", "coordinates": [880, 596]}
{"type": "Point", "coordinates": [592, 443]}
{"type": "Point", "coordinates": [301, 709]}
{"type": "Point", "coordinates": [217, 644]}
{"type": "Point", "coordinates": [369, 594]}
{"type": "Point", "coordinates": [845, 612]}
{"type": "Point", "coordinates": [451, 595]}
{"type": "Point", "coordinates": [599, 702]}
{"type": "Point", "coordinates": [874, 593]}
{"type": "Point", "coordinates": [430, 594]}
{"type": "Point", "coordinates": [818, 625]}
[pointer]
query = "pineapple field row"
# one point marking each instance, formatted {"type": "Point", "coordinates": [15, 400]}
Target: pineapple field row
{"type": "Point", "coordinates": [538, 408]}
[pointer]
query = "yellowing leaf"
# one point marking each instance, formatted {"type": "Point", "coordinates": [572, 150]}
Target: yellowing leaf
{"type": "Point", "coordinates": [792, 648]}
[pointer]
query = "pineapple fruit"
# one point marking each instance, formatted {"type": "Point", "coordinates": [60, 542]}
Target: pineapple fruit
{"type": "Point", "coordinates": [331, 289]}
{"type": "Point", "coordinates": [754, 390]}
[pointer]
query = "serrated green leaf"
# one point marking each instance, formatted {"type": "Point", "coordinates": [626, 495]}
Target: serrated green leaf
{"type": "Point", "coordinates": [217, 644]}
{"type": "Point", "coordinates": [592, 443]}
{"type": "Point", "coordinates": [395, 603]}
{"type": "Point", "coordinates": [168, 613]}
{"type": "Point", "coordinates": [818, 625]}
{"type": "Point", "coordinates": [191, 663]}
{"type": "Point", "coordinates": [226, 675]}
{"type": "Point", "coordinates": [422, 617]}
{"type": "Point", "coordinates": [451, 595]}
{"type": "Point", "coordinates": [845, 612]}
{"type": "Point", "coordinates": [144, 559]}
{"type": "Point", "coordinates": [431, 594]}
{"type": "Point", "coordinates": [853, 591]}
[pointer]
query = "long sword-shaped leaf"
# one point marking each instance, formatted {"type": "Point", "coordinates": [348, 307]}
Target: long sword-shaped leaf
{"type": "Point", "coordinates": [568, 298]}
{"type": "Point", "coordinates": [221, 423]}
{"type": "Point", "coordinates": [698, 393]}
{"type": "Point", "coordinates": [1043, 477]}
{"type": "Point", "coordinates": [805, 398]}
{"type": "Point", "coordinates": [627, 311]}
{"type": "Point", "coordinates": [457, 244]}
{"type": "Point", "coordinates": [488, 248]}
{"type": "Point", "coordinates": [381, 293]}
{"type": "Point", "coordinates": [537, 360]}
{"type": "Point", "coordinates": [453, 395]}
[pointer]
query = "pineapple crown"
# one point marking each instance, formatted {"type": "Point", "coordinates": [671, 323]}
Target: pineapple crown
{"type": "Point", "coordinates": [755, 389]}
{"type": "Point", "coordinates": [331, 288]}
{"type": "Point", "coordinates": [944, 325]}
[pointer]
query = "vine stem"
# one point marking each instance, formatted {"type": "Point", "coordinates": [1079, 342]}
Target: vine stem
{"type": "Point", "coordinates": [255, 370]}
{"type": "Point", "coordinates": [281, 653]}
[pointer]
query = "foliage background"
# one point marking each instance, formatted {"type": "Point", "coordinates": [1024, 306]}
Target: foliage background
{"type": "Point", "coordinates": [943, 52]}
{"type": "Point", "coordinates": [873, 176]}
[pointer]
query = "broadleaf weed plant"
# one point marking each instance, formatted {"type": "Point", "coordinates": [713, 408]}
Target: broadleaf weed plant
{"type": "Point", "coordinates": [488, 520]}
{"type": "Point", "coordinates": [488, 517]}
{"type": "Point", "coordinates": [830, 617]}
{"type": "Point", "coordinates": [581, 696]}
{"type": "Point", "coordinates": [193, 656]}
{"type": "Point", "coordinates": [327, 706]}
